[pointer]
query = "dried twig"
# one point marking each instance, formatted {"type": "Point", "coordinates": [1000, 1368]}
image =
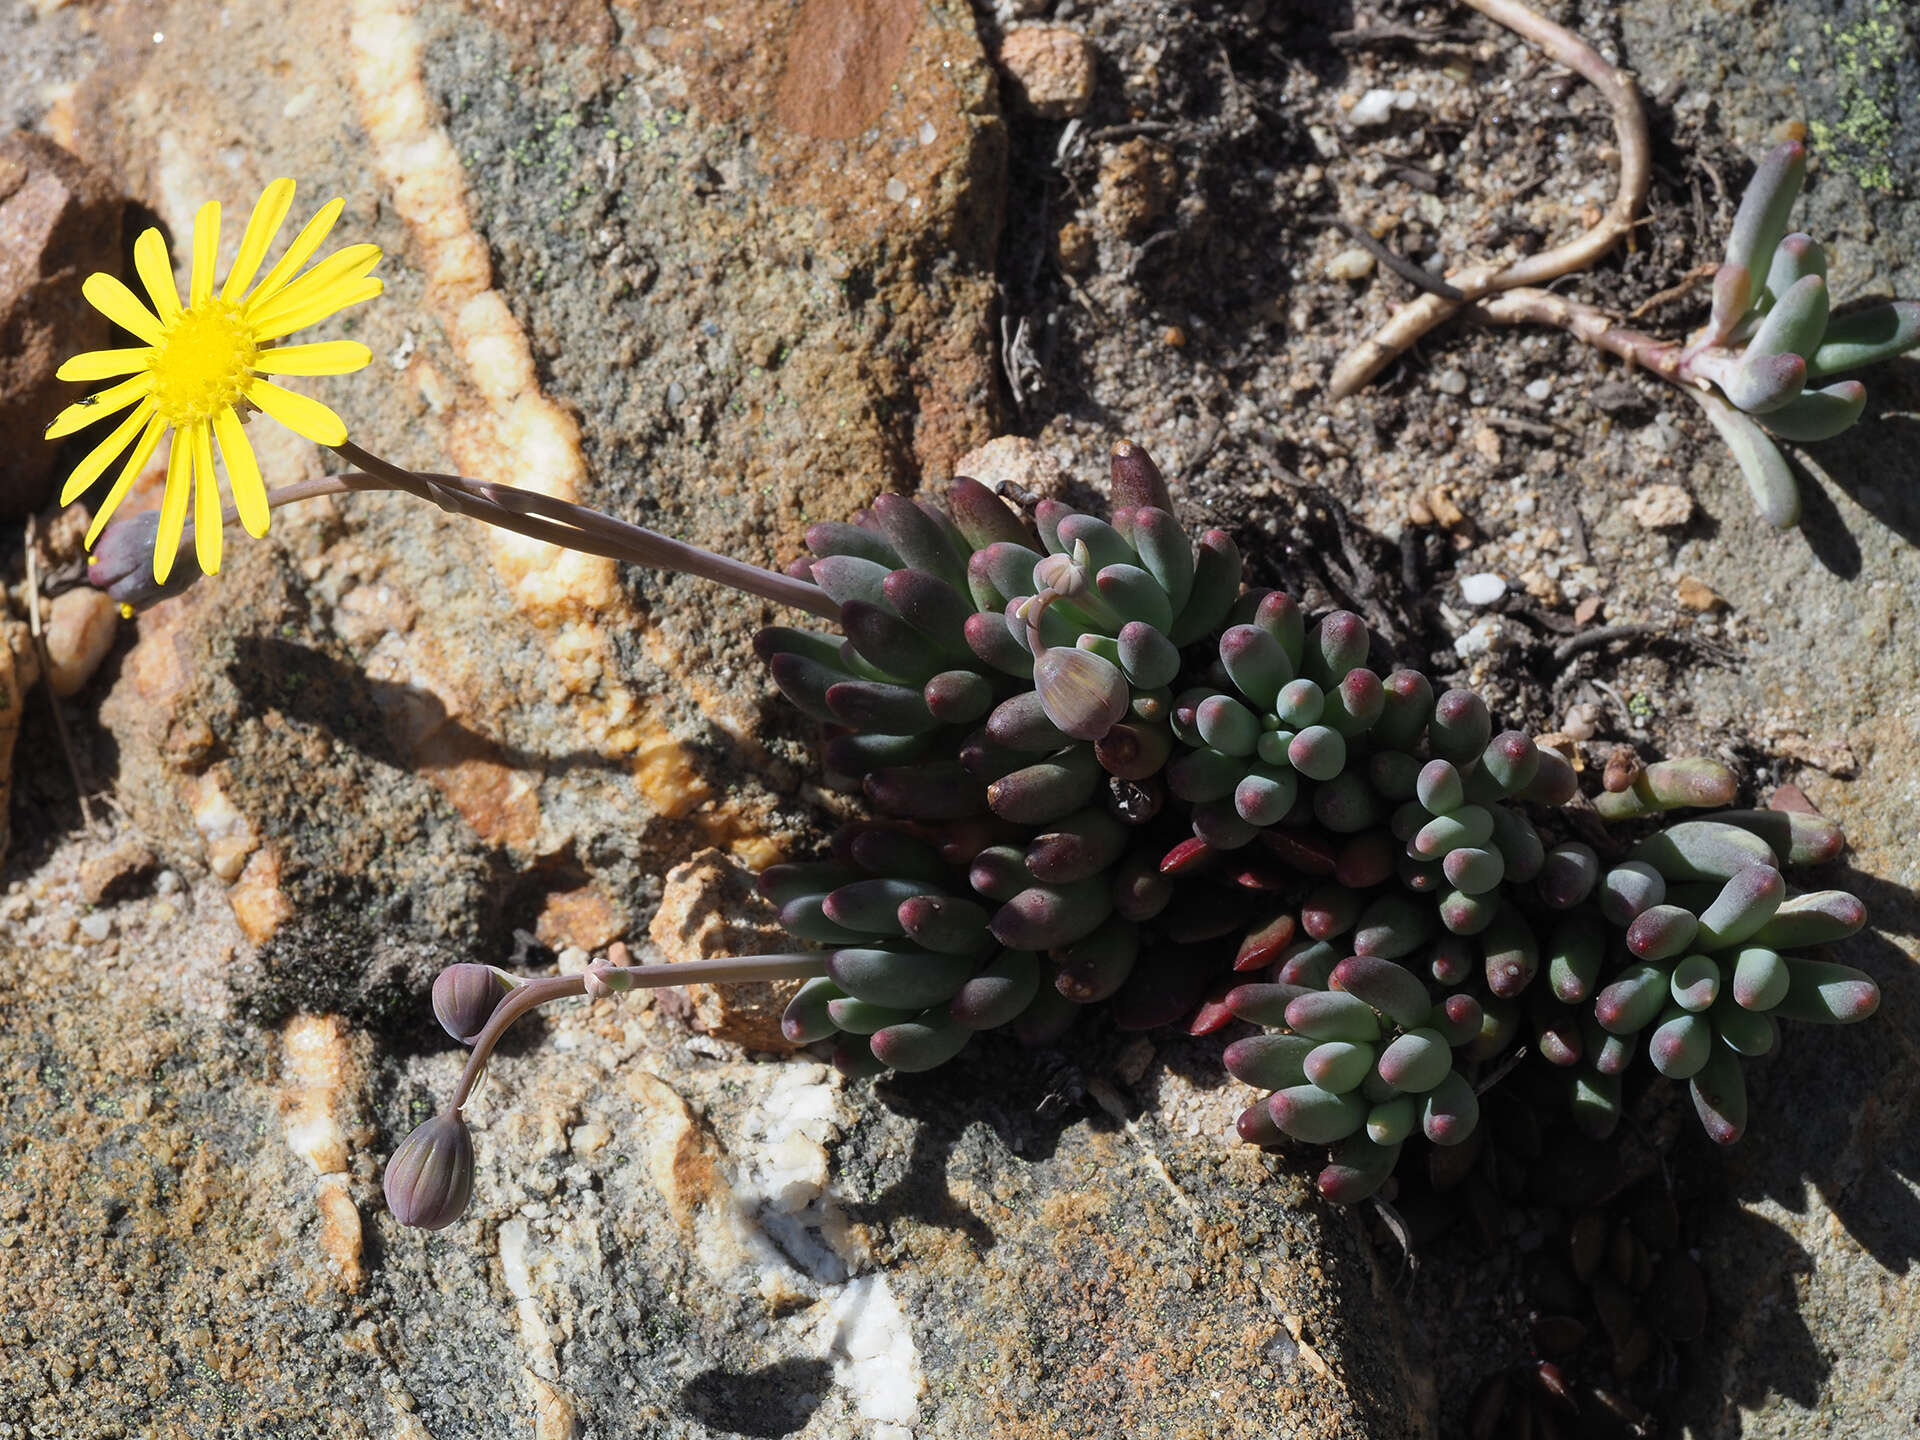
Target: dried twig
{"type": "Point", "coordinates": [46, 670]}
{"type": "Point", "coordinates": [1413, 274]}
{"type": "Point", "coordinates": [1600, 635]}
{"type": "Point", "coordinates": [1412, 321]}
{"type": "Point", "coordinates": [1388, 33]}
{"type": "Point", "coordinates": [1673, 292]}
{"type": "Point", "coordinates": [1129, 130]}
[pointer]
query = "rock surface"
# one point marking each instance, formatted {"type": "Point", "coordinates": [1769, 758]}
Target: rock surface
{"type": "Point", "coordinates": [1049, 70]}
{"type": "Point", "coordinates": [59, 222]}
{"type": "Point", "coordinates": [723, 273]}
{"type": "Point", "coordinates": [729, 271]}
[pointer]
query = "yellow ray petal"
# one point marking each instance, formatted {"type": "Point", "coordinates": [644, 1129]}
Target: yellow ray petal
{"type": "Point", "coordinates": [105, 364]}
{"type": "Point", "coordinates": [206, 248]}
{"type": "Point", "coordinates": [206, 501]}
{"type": "Point", "coordinates": [150, 262]}
{"type": "Point", "coordinates": [173, 507]}
{"type": "Point", "coordinates": [99, 405]}
{"type": "Point", "coordinates": [105, 453]}
{"type": "Point", "coordinates": [269, 211]}
{"type": "Point", "coordinates": [120, 305]}
{"type": "Point", "coordinates": [243, 472]}
{"type": "Point", "coordinates": [323, 357]}
{"type": "Point", "coordinates": [298, 413]}
{"type": "Point", "coordinates": [136, 462]}
{"type": "Point", "coordinates": [343, 295]}
{"type": "Point", "coordinates": [348, 263]}
{"type": "Point", "coordinates": [304, 244]}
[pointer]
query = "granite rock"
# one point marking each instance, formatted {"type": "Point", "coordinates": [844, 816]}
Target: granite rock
{"type": "Point", "coordinates": [59, 222]}
{"type": "Point", "coordinates": [722, 273]}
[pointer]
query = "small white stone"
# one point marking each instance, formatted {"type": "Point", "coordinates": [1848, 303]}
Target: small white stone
{"type": "Point", "coordinates": [1582, 722]}
{"type": "Point", "coordinates": [1480, 640]}
{"type": "Point", "coordinates": [1483, 588]}
{"type": "Point", "coordinates": [1376, 107]}
{"type": "Point", "coordinates": [1354, 264]}
{"type": "Point", "coordinates": [1540, 389]}
{"type": "Point", "coordinates": [96, 926]}
{"type": "Point", "coordinates": [1451, 382]}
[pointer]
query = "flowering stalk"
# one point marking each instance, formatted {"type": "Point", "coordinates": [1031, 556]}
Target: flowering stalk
{"type": "Point", "coordinates": [617, 979]}
{"type": "Point", "coordinates": [526, 512]}
{"type": "Point", "coordinates": [430, 1177]}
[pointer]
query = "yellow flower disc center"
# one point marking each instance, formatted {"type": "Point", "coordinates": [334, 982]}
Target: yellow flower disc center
{"type": "Point", "coordinates": [203, 362]}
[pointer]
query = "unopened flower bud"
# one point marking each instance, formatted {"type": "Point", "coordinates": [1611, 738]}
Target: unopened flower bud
{"type": "Point", "coordinates": [1066, 575]}
{"type": "Point", "coordinates": [122, 563]}
{"type": "Point", "coordinates": [430, 1177]}
{"type": "Point", "coordinates": [1082, 694]}
{"type": "Point", "coordinates": [464, 997]}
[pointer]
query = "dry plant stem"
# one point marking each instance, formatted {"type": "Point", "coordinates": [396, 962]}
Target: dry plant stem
{"type": "Point", "coordinates": [727, 970]}
{"type": "Point", "coordinates": [1412, 321]}
{"type": "Point", "coordinates": [46, 670]}
{"type": "Point", "coordinates": [575, 527]}
{"type": "Point", "coordinates": [1774, 489]}
{"type": "Point", "coordinates": [1584, 322]}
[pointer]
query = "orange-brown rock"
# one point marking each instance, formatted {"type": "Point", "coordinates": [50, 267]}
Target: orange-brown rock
{"type": "Point", "coordinates": [1049, 70]}
{"type": "Point", "coordinates": [585, 917]}
{"type": "Point", "coordinates": [1137, 179]}
{"type": "Point", "coordinates": [711, 909]}
{"type": "Point", "coordinates": [80, 627]}
{"type": "Point", "coordinates": [59, 222]}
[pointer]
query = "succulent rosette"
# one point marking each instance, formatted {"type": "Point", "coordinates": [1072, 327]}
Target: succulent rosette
{"type": "Point", "coordinates": [1101, 769]}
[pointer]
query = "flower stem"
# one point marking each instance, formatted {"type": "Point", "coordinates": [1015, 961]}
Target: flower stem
{"type": "Point", "coordinates": [575, 527]}
{"type": "Point", "coordinates": [526, 994]}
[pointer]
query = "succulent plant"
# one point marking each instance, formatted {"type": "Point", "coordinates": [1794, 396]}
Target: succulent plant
{"type": "Point", "coordinates": [1103, 770]}
{"type": "Point", "coordinates": [1764, 367]}
{"type": "Point", "coordinates": [1003, 697]}
{"type": "Point", "coordinates": [1771, 349]}
{"type": "Point", "coordinates": [1100, 770]}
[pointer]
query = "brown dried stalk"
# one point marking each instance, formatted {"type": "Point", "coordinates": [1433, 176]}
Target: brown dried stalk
{"type": "Point", "coordinates": [1414, 320]}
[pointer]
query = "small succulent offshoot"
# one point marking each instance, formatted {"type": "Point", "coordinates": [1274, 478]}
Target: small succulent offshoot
{"type": "Point", "coordinates": [1768, 363]}
{"type": "Point", "coordinates": [1771, 349]}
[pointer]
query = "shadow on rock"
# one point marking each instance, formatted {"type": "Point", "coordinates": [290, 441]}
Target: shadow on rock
{"type": "Point", "coordinates": [1010, 1104]}
{"type": "Point", "coordinates": [774, 1400]}
{"type": "Point", "coordinates": [415, 731]}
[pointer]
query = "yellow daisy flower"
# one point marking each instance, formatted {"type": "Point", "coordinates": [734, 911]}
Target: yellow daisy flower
{"type": "Point", "coordinates": [201, 368]}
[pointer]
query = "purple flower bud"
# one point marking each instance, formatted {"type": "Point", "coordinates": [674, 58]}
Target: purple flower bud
{"type": "Point", "coordinates": [430, 1177]}
{"type": "Point", "coordinates": [1065, 575]}
{"type": "Point", "coordinates": [122, 563]}
{"type": "Point", "coordinates": [1081, 693]}
{"type": "Point", "coordinates": [463, 999]}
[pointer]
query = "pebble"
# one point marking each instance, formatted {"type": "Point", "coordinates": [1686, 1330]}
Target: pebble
{"type": "Point", "coordinates": [1049, 70]}
{"type": "Point", "coordinates": [96, 926]}
{"type": "Point", "coordinates": [1376, 107]}
{"type": "Point", "coordinates": [1354, 264]}
{"type": "Point", "coordinates": [1451, 382]}
{"type": "Point", "coordinates": [1583, 721]}
{"type": "Point", "coordinates": [1539, 389]}
{"type": "Point", "coordinates": [1661, 507]}
{"type": "Point", "coordinates": [1697, 595]}
{"type": "Point", "coordinates": [81, 624]}
{"type": "Point", "coordinates": [1482, 589]}
{"type": "Point", "coordinates": [1480, 640]}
